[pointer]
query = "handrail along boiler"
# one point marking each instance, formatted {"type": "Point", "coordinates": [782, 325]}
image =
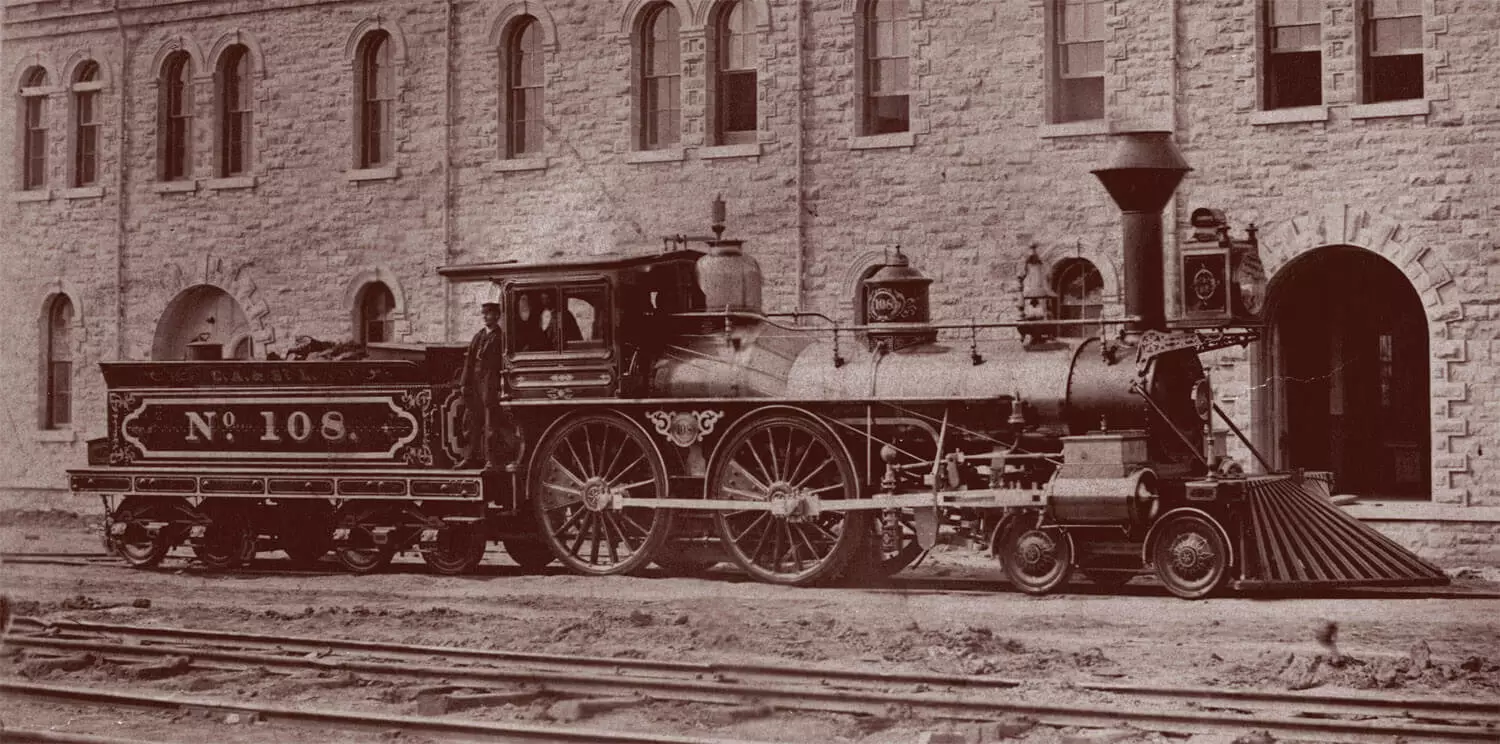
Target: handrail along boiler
{"type": "Point", "coordinates": [666, 418]}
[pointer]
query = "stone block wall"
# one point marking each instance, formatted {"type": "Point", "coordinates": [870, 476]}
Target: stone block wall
{"type": "Point", "coordinates": [981, 176]}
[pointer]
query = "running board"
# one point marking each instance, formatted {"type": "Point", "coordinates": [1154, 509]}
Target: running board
{"type": "Point", "coordinates": [1293, 536]}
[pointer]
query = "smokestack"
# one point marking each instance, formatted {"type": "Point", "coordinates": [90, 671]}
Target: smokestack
{"type": "Point", "coordinates": [1145, 171]}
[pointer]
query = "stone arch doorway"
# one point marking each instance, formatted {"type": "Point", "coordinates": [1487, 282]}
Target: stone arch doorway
{"type": "Point", "coordinates": [1344, 363]}
{"type": "Point", "coordinates": [207, 313]}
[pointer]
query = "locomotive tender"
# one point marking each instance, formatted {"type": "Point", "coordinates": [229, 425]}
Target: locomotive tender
{"type": "Point", "coordinates": [665, 418]}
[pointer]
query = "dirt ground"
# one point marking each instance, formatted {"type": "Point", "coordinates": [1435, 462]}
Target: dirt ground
{"type": "Point", "coordinates": [952, 614]}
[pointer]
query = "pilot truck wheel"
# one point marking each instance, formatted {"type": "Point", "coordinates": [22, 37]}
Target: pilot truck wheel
{"type": "Point", "coordinates": [1190, 555]}
{"type": "Point", "coordinates": [582, 464]}
{"type": "Point", "coordinates": [1036, 559]}
{"type": "Point", "coordinates": [787, 459]}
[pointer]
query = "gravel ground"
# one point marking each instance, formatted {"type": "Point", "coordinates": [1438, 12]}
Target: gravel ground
{"type": "Point", "coordinates": [953, 615]}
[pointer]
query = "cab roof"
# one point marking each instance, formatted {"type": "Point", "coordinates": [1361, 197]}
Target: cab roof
{"type": "Point", "coordinates": [606, 264]}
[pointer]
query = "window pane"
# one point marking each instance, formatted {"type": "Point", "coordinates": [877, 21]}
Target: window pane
{"type": "Point", "coordinates": [737, 101]}
{"type": "Point", "coordinates": [1294, 79]}
{"type": "Point", "coordinates": [1292, 12]}
{"type": "Point", "coordinates": [584, 320]}
{"type": "Point", "coordinates": [888, 114]}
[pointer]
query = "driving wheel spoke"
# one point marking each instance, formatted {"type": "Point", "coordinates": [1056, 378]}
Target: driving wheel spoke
{"type": "Point", "coordinates": [772, 458]}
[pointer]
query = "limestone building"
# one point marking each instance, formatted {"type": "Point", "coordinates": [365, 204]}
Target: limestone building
{"type": "Point", "coordinates": [250, 172]}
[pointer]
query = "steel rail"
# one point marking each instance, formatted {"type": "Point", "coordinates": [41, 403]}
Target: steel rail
{"type": "Point", "coordinates": [28, 736]}
{"type": "Point", "coordinates": [612, 665]}
{"type": "Point", "coordinates": [373, 722]}
{"type": "Point", "coordinates": [1488, 710]}
{"type": "Point", "coordinates": [954, 704]}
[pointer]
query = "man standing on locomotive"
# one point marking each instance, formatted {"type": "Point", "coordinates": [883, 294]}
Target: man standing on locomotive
{"type": "Point", "coordinates": [483, 391]}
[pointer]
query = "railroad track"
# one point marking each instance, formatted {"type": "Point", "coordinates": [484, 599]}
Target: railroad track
{"type": "Point", "coordinates": [316, 718]}
{"type": "Point", "coordinates": [899, 584]}
{"type": "Point", "coordinates": [1287, 715]}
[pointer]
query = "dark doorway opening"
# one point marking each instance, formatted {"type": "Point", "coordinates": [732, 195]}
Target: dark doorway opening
{"type": "Point", "coordinates": [1346, 360]}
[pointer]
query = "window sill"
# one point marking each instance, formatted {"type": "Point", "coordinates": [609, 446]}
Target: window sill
{"type": "Point", "coordinates": [1421, 511]}
{"type": "Point", "coordinates": [55, 435]}
{"type": "Point", "coordinates": [719, 152]}
{"type": "Point", "coordinates": [883, 141]}
{"type": "Point", "coordinates": [1299, 115]}
{"type": "Point", "coordinates": [1413, 107]}
{"type": "Point", "coordinates": [83, 192]}
{"type": "Point", "coordinates": [670, 155]}
{"type": "Point", "coordinates": [232, 182]}
{"type": "Point", "coordinates": [517, 165]}
{"type": "Point", "coordinates": [1088, 128]}
{"type": "Point", "coordinates": [389, 173]}
{"type": "Point", "coordinates": [34, 195]}
{"type": "Point", "coordinates": [174, 187]}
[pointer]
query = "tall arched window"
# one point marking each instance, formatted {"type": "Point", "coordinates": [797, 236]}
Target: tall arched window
{"type": "Point", "coordinates": [34, 129]}
{"type": "Point", "coordinates": [523, 88]}
{"type": "Point", "coordinates": [887, 60]}
{"type": "Point", "coordinates": [376, 307]}
{"type": "Point", "coordinates": [57, 354]}
{"type": "Point", "coordinates": [86, 84]}
{"type": "Point", "coordinates": [661, 78]}
{"type": "Point", "coordinates": [176, 148]}
{"type": "Point", "coordinates": [734, 84]}
{"type": "Point", "coordinates": [235, 97]}
{"type": "Point", "coordinates": [377, 94]}
{"type": "Point", "coordinates": [1080, 295]}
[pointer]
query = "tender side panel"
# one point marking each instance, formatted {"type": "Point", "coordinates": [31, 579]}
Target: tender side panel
{"type": "Point", "coordinates": [280, 485]}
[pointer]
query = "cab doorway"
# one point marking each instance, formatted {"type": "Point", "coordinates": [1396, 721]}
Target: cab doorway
{"type": "Point", "coordinates": [1344, 373]}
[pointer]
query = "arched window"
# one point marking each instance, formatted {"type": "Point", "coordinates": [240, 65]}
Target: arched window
{"type": "Point", "coordinates": [887, 60]}
{"type": "Point", "coordinates": [661, 78]}
{"type": "Point", "coordinates": [524, 86]}
{"type": "Point", "coordinates": [176, 147]}
{"type": "Point", "coordinates": [235, 97]}
{"type": "Point", "coordinates": [377, 94]}
{"type": "Point", "coordinates": [735, 81]}
{"type": "Point", "coordinates": [86, 85]}
{"type": "Point", "coordinates": [1080, 295]}
{"type": "Point", "coordinates": [376, 307]}
{"type": "Point", "coordinates": [34, 129]}
{"type": "Point", "coordinates": [57, 355]}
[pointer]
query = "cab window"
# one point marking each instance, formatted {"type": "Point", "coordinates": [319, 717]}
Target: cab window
{"type": "Point", "coordinates": [544, 319]}
{"type": "Point", "coordinates": [583, 322]}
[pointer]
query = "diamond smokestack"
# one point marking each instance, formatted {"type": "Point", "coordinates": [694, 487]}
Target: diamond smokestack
{"type": "Point", "coordinates": [1145, 171]}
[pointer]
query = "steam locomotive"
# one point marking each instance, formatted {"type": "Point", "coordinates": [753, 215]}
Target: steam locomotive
{"type": "Point", "coordinates": [664, 417]}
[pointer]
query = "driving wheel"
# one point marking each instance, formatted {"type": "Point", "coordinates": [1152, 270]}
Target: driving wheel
{"type": "Point", "coordinates": [793, 464]}
{"type": "Point", "coordinates": [580, 467]}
